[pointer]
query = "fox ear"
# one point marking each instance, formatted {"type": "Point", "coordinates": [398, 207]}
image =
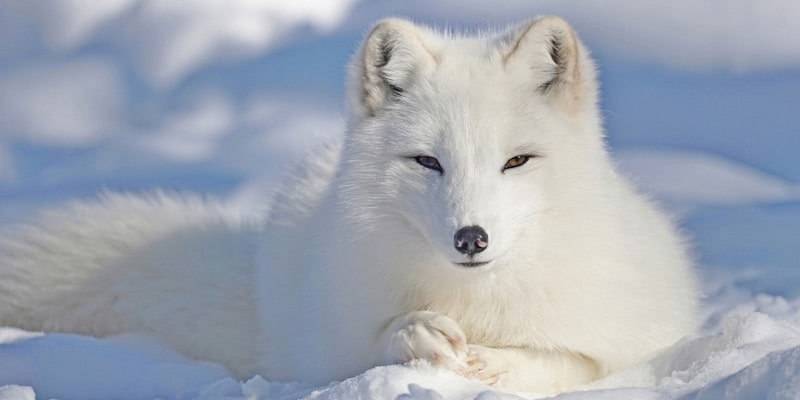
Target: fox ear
{"type": "Point", "coordinates": [556, 64]}
{"type": "Point", "coordinates": [392, 57]}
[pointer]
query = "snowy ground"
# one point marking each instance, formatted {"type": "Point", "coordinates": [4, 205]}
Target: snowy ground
{"type": "Point", "coordinates": [701, 103]}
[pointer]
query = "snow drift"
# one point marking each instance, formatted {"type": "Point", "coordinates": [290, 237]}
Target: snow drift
{"type": "Point", "coordinates": [753, 351]}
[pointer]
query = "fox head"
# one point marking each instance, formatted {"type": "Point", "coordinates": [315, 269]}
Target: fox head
{"type": "Point", "coordinates": [466, 143]}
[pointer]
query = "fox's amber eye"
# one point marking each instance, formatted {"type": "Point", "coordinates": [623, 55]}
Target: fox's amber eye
{"type": "Point", "coordinates": [429, 162]}
{"type": "Point", "coordinates": [516, 161]}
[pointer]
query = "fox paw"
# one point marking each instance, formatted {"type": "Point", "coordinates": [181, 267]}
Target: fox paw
{"type": "Point", "coordinates": [484, 364]}
{"type": "Point", "coordinates": [428, 336]}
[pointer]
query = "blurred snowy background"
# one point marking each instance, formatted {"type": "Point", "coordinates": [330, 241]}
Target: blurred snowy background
{"type": "Point", "coordinates": [701, 101]}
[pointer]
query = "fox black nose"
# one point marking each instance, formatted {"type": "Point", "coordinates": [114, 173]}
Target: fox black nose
{"type": "Point", "coordinates": [471, 240]}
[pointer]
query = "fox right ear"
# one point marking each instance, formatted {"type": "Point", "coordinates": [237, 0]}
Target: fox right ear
{"type": "Point", "coordinates": [392, 57]}
{"type": "Point", "coordinates": [549, 55]}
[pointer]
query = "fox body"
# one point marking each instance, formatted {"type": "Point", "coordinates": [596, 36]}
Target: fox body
{"type": "Point", "coordinates": [471, 216]}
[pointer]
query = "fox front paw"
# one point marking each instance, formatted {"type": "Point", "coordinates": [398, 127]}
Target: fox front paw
{"type": "Point", "coordinates": [428, 336]}
{"type": "Point", "coordinates": [486, 365]}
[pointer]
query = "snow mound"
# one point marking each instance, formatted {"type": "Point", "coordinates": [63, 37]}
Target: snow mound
{"type": "Point", "coordinates": [77, 367]}
{"type": "Point", "coordinates": [15, 392]}
{"type": "Point", "coordinates": [696, 367]}
{"type": "Point", "coordinates": [417, 380]}
{"type": "Point", "coordinates": [749, 348]}
{"type": "Point", "coordinates": [697, 178]}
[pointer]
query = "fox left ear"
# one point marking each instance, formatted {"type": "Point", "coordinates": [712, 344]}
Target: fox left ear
{"type": "Point", "coordinates": [556, 64]}
{"type": "Point", "coordinates": [393, 56]}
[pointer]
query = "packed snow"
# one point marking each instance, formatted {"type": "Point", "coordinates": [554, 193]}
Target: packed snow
{"type": "Point", "coordinates": [220, 97]}
{"type": "Point", "coordinates": [749, 348]}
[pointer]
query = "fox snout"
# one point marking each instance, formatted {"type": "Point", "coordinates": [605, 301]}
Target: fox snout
{"type": "Point", "coordinates": [471, 240]}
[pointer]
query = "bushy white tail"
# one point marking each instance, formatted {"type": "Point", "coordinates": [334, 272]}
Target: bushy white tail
{"type": "Point", "coordinates": [176, 267]}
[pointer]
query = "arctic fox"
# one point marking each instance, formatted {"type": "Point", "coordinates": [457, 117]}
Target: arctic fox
{"type": "Point", "coordinates": [471, 216]}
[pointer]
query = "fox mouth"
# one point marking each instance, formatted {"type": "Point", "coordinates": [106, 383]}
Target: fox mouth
{"type": "Point", "coordinates": [473, 264]}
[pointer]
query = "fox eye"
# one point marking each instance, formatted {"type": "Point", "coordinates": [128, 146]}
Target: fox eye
{"type": "Point", "coordinates": [429, 162]}
{"type": "Point", "coordinates": [517, 161]}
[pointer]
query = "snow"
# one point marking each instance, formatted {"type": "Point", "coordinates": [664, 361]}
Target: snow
{"type": "Point", "coordinates": [16, 392]}
{"type": "Point", "coordinates": [697, 178]}
{"type": "Point", "coordinates": [70, 104]}
{"type": "Point", "coordinates": [698, 35]}
{"type": "Point", "coordinates": [219, 97]}
{"type": "Point", "coordinates": [751, 352]}
{"type": "Point", "coordinates": [70, 366]}
{"type": "Point", "coordinates": [193, 134]}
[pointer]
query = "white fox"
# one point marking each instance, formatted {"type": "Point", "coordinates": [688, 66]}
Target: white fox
{"type": "Point", "coordinates": [471, 216]}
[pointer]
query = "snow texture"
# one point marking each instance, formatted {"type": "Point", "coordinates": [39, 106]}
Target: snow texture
{"type": "Point", "coordinates": [752, 352]}
{"type": "Point", "coordinates": [219, 97]}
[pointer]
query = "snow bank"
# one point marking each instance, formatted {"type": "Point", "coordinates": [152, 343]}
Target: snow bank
{"type": "Point", "coordinates": [749, 348]}
{"type": "Point", "coordinates": [73, 103]}
{"type": "Point", "coordinates": [697, 365]}
{"type": "Point", "coordinates": [16, 392]}
{"type": "Point", "coordinates": [752, 356]}
{"type": "Point", "coordinates": [78, 367]}
{"type": "Point", "coordinates": [696, 178]}
{"type": "Point", "coordinates": [169, 40]}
